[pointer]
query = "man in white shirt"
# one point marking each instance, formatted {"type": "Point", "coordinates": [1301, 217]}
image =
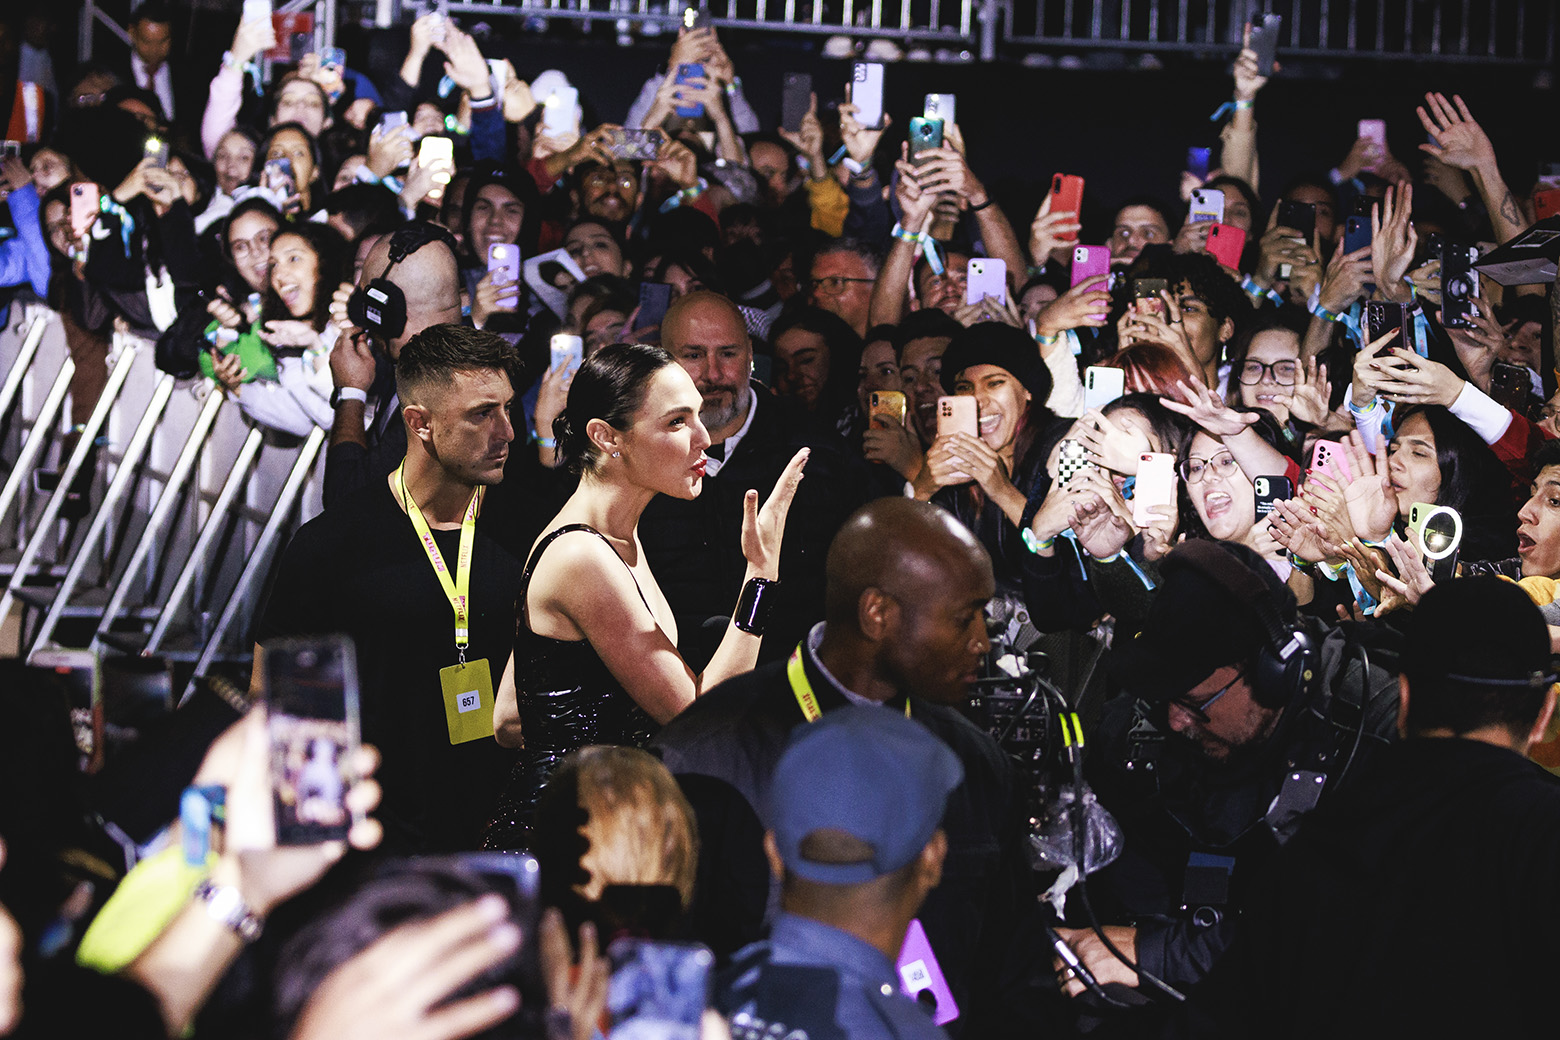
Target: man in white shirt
{"type": "Point", "coordinates": [151, 38]}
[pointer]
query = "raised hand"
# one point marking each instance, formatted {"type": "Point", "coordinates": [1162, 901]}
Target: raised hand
{"type": "Point", "coordinates": [289, 333]}
{"type": "Point", "coordinates": [1345, 278]}
{"type": "Point", "coordinates": [1084, 305]}
{"type": "Point", "coordinates": [764, 529]}
{"type": "Point", "coordinates": [1115, 447]}
{"type": "Point", "coordinates": [808, 139]}
{"type": "Point", "coordinates": [1459, 140]}
{"type": "Point", "coordinates": [1294, 528]}
{"type": "Point", "coordinates": [1101, 529]}
{"type": "Point", "coordinates": [228, 370]}
{"type": "Point", "coordinates": [389, 150]}
{"type": "Point", "coordinates": [578, 996]}
{"type": "Point", "coordinates": [860, 142]}
{"type": "Point", "coordinates": [1412, 580]}
{"type": "Point", "coordinates": [1371, 502]}
{"type": "Point", "coordinates": [1393, 241]}
{"type": "Point", "coordinates": [1047, 229]}
{"type": "Point", "coordinates": [1204, 408]}
{"type": "Point", "coordinates": [1249, 77]}
{"type": "Point", "coordinates": [1416, 380]}
{"type": "Point", "coordinates": [1308, 400]}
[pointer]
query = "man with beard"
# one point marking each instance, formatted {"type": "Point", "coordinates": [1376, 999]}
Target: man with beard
{"type": "Point", "coordinates": [694, 546]}
{"type": "Point", "coordinates": [1266, 715]}
{"type": "Point", "coordinates": [606, 193]}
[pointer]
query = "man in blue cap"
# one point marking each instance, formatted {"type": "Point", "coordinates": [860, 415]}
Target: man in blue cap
{"type": "Point", "coordinates": [856, 858]}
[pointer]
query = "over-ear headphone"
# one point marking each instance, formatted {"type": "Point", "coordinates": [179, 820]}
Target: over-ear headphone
{"type": "Point", "coordinates": [380, 306]}
{"type": "Point", "coordinates": [1287, 660]}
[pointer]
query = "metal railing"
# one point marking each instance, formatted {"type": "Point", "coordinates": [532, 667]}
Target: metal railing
{"type": "Point", "coordinates": [1519, 32]}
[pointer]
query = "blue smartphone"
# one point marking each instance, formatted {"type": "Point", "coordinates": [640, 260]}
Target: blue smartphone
{"type": "Point", "coordinates": [1197, 160]}
{"type": "Point", "coordinates": [687, 73]}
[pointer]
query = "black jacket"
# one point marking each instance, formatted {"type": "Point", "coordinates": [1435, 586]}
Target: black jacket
{"type": "Point", "coordinates": [982, 920]}
{"type": "Point", "coordinates": [1186, 806]}
{"type": "Point", "coordinates": [695, 546]}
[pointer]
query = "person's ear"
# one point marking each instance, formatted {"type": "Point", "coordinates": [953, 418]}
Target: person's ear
{"type": "Point", "coordinates": [772, 854]}
{"type": "Point", "coordinates": [1541, 724]}
{"type": "Point", "coordinates": [929, 864]}
{"type": "Point", "coordinates": [419, 422]}
{"type": "Point", "coordinates": [1226, 331]}
{"type": "Point", "coordinates": [605, 439]}
{"type": "Point", "coordinates": [1402, 719]}
{"type": "Point", "coordinates": [877, 614]}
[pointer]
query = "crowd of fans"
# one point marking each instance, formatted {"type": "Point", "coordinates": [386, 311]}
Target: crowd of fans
{"type": "Point", "coordinates": [674, 563]}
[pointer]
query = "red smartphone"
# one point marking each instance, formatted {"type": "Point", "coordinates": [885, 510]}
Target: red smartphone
{"type": "Point", "coordinates": [1067, 197]}
{"type": "Point", "coordinates": [1225, 244]}
{"type": "Point", "coordinates": [1546, 203]}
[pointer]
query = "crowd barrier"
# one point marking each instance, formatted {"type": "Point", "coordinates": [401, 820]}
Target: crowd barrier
{"type": "Point", "coordinates": [189, 505]}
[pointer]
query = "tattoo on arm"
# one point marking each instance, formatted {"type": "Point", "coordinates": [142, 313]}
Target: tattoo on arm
{"type": "Point", "coordinates": [1509, 210]}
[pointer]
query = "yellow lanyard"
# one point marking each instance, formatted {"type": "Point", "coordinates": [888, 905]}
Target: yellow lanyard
{"type": "Point", "coordinates": [801, 686]}
{"type": "Point", "coordinates": [459, 590]}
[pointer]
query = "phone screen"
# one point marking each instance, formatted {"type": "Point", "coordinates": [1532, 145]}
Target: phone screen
{"type": "Point", "coordinates": [311, 697]}
{"type": "Point", "coordinates": [658, 989]}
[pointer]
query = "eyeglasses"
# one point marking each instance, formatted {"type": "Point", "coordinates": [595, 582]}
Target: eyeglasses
{"type": "Point", "coordinates": [1284, 372]}
{"type": "Point", "coordinates": [835, 284]}
{"type": "Point", "coordinates": [1223, 465]}
{"type": "Point", "coordinates": [602, 179]}
{"type": "Point", "coordinates": [1200, 708]}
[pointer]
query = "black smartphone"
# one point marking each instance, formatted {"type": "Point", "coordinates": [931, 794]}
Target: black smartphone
{"type": "Point", "coordinates": [1459, 285]}
{"type": "Point", "coordinates": [1264, 40]}
{"type": "Point", "coordinates": [156, 149]}
{"type": "Point", "coordinates": [311, 714]}
{"type": "Point", "coordinates": [1299, 216]}
{"type": "Point", "coordinates": [1270, 491]}
{"type": "Point", "coordinates": [654, 299]}
{"type": "Point", "coordinates": [1381, 318]}
{"type": "Point", "coordinates": [520, 876]}
{"type": "Point", "coordinates": [1511, 386]}
{"type": "Point", "coordinates": [795, 100]}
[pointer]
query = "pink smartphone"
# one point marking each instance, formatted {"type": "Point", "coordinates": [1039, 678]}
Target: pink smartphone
{"type": "Point", "coordinates": [505, 257]}
{"type": "Point", "coordinates": [1155, 486]}
{"type": "Point", "coordinates": [1225, 244]}
{"type": "Point", "coordinates": [919, 972]}
{"type": "Point", "coordinates": [957, 415]}
{"type": "Point", "coordinates": [1328, 459]}
{"type": "Point", "coordinates": [1090, 262]}
{"type": "Point", "coordinates": [83, 207]}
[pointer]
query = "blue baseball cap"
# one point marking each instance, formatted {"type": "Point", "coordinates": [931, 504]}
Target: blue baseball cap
{"type": "Point", "coordinates": [866, 771]}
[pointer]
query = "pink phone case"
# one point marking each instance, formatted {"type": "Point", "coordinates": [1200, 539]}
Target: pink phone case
{"type": "Point", "coordinates": [1328, 459]}
{"type": "Point", "coordinates": [919, 971]}
{"type": "Point", "coordinates": [1090, 262]}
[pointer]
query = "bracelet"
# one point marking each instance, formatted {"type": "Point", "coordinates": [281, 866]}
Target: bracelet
{"type": "Point", "coordinates": [983, 205]}
{"type": "Point", "coordinates": [1034, 544]}
{"type": "Point", "coordinates": [905, 236]}
{"type": "Point", "coordinates": [226, 905]}
{"type": "Point", "coordinates": [347, 393]}
{"type": "Point", "coordinates": [1045, 339]}
{"type": "Point", "coordinates": [1298, 563]}
{"type": "Point", "coordinates": [1105, 559]}
{"type": "Point", "coordinates": [545, 442]}
{"type": "Point", "coordinates": [754, 606]}
{"type": "Point", "coordinates": [1325, 314]}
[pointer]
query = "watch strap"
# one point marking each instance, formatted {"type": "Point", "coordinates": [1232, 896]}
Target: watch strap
{"type": "Point", "coordinates": [225, 905]}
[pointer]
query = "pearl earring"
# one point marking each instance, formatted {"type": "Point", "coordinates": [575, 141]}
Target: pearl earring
{"type": "Point", "coordinates": [617, 454]}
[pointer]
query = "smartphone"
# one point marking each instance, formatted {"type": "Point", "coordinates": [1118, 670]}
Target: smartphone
{"type": "Point", "coordinates": [985, 276]}
{"type": "Point", "coordinates": [10, 149]}
{"type": "Point", "coordinates": [256, 10]}
{"type": "Point", "coordinates": [1102, 385]}
{"type": "Point", "coordinates": [957, 415]}
{"type": "Point", "coordinates": [1071, 456]}
{"type": "Point", "coordinates": [502, 256]}
{"type": "Point", "coordinates": [866, 93]}
{"type": "Point", "coordinates": [567, 350]}
{"type": "Point", "coordinates": [1067, 197]}
{"type": "Point", "coordinates": [1264, 40]}
{"type": "Point", "coordinates": [1270, 491]}
{"type": "Point", "coordinates": [1382, 317]}
{"type": "Point", "coordinates": [440, 27]}
{"type": "Point", "coordinates": [560, 112]}
{"type": "Point", "coordinates": [1298, 216]}
{"type": "Point", "coordinates": [432, 149]}
{"type": "Point", "coordinates": [657, 990]}
{"type": "Point", "coordinates": [75, 677]}
{"type": "Point", "coordinates": [1155, 485]}
{"type": "Point", "coordinates": [156, 149]}
{"type": "Point", "coordinates": [311, 718]}
{"type": "Point", "coordinates": [1374, 131]}
{"type": "Point", "coordinates": [1328, 459]}
{"type": "Point", "coordinates": [696, 18]}
{"type": "Point", "coordinates": [925, 134]}
{"type": "Point", "coordinates": [1207, 204]}
{"type": "Point", "coordinates": [1357, 236]}
{"type": "Point", "coordinates": [1459, 285]}
{"type": "Point", "coordinates": [1546, 203]}
{"type": "Point", "coordinates": [278, 176]}
{"type": "Point", "coordinates": [519, 873]}
{"type": "Point", "coordinates": [84, 198]}
{"type": "Point", "coordinates": [1145, 295]}
{"type": "Point", "coordinates": [886, 408]}
{"type": "Point", "coordinates": [1225, 244]}
{"type": "Point", "coordinates": [939, 106]}
{"type": "Point", "coordinates": [390, 120]}
{"type": "Point", "coordinates": [1511, 386]}
{"type": "Point", "coordinates": [1091, 262]}
{"type": "Point", "coordinates": [634, 144]}
{"type": "Point", "coordinates": [1198, 161]}
{"type": "Point", "coordinates": [499, 73]}
{"type": "Point", "coordinates": [1439, 530]}
{"type": "Point", "coordinates": [795, 100]}
{"type": "Point", "coordinates": [921, 977]}
{"type": "Point", "coordinates": [654, 299]}
{"type": "Point", "coordinates": [688, 72]}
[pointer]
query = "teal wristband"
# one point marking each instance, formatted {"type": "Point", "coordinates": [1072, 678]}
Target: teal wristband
{"type": "Point", "coordinates": [546, 442]}
{"type": "Point", "coordinates": [1033, 544]}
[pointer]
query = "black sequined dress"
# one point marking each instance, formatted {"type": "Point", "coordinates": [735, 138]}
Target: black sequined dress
{"type": "Point", "coordinates": [567, 700]}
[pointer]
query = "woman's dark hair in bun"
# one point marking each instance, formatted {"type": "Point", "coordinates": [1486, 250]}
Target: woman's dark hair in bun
{"type": "Point", "coordinates": [609, 386]}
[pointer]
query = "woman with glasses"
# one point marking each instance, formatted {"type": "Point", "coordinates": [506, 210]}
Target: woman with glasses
{"type": "Point", "coordinates": [1267, 373]}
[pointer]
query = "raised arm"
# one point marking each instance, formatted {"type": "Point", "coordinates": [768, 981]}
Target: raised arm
{"type": "Point", "coordinates": [1459, 141]}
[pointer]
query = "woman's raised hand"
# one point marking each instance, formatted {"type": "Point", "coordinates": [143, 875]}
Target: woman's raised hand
{"type": "Point", "coordinates": [764, 529]}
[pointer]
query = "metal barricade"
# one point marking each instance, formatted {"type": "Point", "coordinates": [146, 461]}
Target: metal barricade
{"type": "Point", "coordinates": [1491, 32]}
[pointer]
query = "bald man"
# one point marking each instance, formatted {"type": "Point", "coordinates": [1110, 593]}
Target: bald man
{"type": "Point", "coordinates": [694, 546]}
{"type": "Point", "coordinates": [361, 452]}
{"type": "Point", "coordinates": [903, 629]}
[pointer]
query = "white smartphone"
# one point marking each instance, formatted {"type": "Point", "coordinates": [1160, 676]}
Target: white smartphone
{"type": "Point", "coordinates": [1155, 485]}
{"type": "Point", "coordinates": [940, 106]}
{"type": "Point", "coordinates": [1207, 204]}
{"type": "Point", "coordinates": [866, 93]}
{"type": "Point", "coordinates": [500, 73]}
{"type": "Point", "coordinates": [257, 11]}
{"type": "Point", "coordinates": [1374, 130]}
{"type": "Point", "coordinates": [560, 112]}
{"type": "Point", "coordinates": [568, 350]}
{"type": "Point", "coordinates": [984, 277]}
{"type": "Point", "coordinates": [1102, 385]}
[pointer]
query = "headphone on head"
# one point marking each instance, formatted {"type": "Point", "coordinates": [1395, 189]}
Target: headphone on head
{"type": "Point", "coordinates": [1287, 659]}
{"type": "Point", "coordinates": [380, 306]}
